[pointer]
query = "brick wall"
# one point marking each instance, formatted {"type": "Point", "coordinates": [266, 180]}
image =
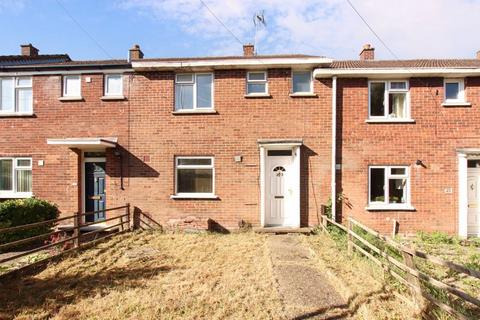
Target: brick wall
{"type": "Point", "coordinates": [433, 138]}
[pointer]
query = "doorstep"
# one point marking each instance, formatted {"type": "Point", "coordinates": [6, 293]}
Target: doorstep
{"type": "Point", "coordinates": [283, 230]}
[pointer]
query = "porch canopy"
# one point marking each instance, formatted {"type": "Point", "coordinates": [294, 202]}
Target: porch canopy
{"type": "Point", "coordinates": [98, 143]}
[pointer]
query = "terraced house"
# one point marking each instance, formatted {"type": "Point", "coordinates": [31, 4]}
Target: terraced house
{"type": "Point", "coordinates": [235, 139]}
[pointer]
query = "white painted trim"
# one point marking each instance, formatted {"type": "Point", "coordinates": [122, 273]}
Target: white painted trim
{"type": "Point", "coordinates": [390, 208]}
{"type": "Point", "coordinates": [387, 175]}
{"type": "Point", "coordinates": [301, 93]}
{"type": "Point", "coordinates": [262, 185]}
{"type": "Point", "coordinates": [194, 83]}
{"type": "Point", "coordinates": [456, 104]}
{"type": "Point", "coordinates": [105, 87]}
{"type": "Point", "coordinates": [64, 86]}
{"type": "Point", "coordinates": [461, 91]}
{"type": "Point", "coordinates": [194, 195]}
{"type": "Point", "coordinates": [390, 120]}
{"type": "Point", "coordinates": [12, 193]}
{"type": "Point", "coordinates": [264, 81]}
{"type": "Point", "coordinates": [232, 63]}
{"type": "Point", "coordinates": [82, 143]}
{"type": "Point", "coordinates": [82, 177]}
{"type": "Point", "coordinates": [383, 73]}
{"type": "Point", "coordinates": [462, 194]}
{"type": "Point", "coordinates": [386, 117]}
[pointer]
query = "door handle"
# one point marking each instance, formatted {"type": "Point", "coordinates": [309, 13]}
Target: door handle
{"type": "Point", "coordinates": [278, 197]}
{"type": "Point", "coordinates": [96, 198]}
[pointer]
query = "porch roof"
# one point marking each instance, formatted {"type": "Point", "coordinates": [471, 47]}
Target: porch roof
{"type": "Point", "coordinates": [85, 143]}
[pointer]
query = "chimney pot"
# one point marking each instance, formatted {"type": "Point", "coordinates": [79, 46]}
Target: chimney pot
{"type": "Point", "coordinates": [367, 53]}
{"type": "Point", "coordinates": [135, 53]}
{"type": "Point", "coordinates": [28, 50]}
{"type": "Point", "coordinates": [478, 54]}
{"type": "Point", "coordinates": [248, 50]}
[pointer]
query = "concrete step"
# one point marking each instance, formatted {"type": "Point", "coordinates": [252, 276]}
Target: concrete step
{"type": "Point", "coordinates": [283, 230]}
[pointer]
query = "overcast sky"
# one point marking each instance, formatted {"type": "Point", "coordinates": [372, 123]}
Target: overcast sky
{"type": "Point", "coordinates": [167, 28]}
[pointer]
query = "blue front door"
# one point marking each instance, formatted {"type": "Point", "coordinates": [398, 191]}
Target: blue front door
{"type": "Point", "coordinates": [94, 190]}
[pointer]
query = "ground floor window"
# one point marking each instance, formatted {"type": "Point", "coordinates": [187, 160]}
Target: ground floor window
{"type": "Point", "coordinates": [388, 186]}
{"type": "Point", "coordinates": [15, 177]}
{"type": "Point", "coordinates": [194, 175]}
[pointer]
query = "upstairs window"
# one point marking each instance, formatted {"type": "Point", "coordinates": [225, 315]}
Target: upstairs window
{"type": "Point", "coordinates": [388, 100]}
{"type": "Point", "coordinates": [15, 177]}
{"type": "Point", "coordinates": [113, 85]}
{"type": "Point", "coordinates": [16, 95]}
{"type": "Point", "coordinates": [454, 90]}
{"type": "Point", "coordinates": [388, 186]}
{"type": "Point", "coordinates": [194, 176]}
{"type": "Point", "coordinates": [72, 86]}
{"type": "Point", "coordinates": [302, 82]}
{"type": "Point", "coordinates": [193, 91]}
{"type": "Point", "coordinates": [257, 83]}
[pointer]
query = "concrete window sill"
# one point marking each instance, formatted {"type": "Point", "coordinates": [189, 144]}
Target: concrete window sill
{"type": "Point", "coordinates": [195, 111]}
{"type": "Point", "coordinates": [258, 96]}
{"type": "Point", "coordinates": [16, 114]}
{"type": "Point", "coordinates": [112, 98]}
{"type": "Point", "coordinates": [194, 196]}
{"type": "Point", "coordinates": [13, 195]}
{"type": "Point", "coordinates": [389, 208]}
{"type": "Point", "coordinates": [70, 99]}
{"type": "Point", "coordinates": [456, 104]}
{"type": "Point", "coordinates": [390, 121]}
{"type": "Point", "coordinates": [303, 95]}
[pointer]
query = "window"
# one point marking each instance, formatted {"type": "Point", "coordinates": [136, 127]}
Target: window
{"type": "Point", "coordinates": [193, 91]}
{"type": "Point", "coordinates": [71, 86]}
{"type": "Point", "coordinates": [388, 186]}
{"type": "Point", "coordinates": [454, 90]}
{"type": "Point", "coordinates": [15, 177]}
{"type": "Point", "coordinates": [302, 82]}
{"type": "Point", "coordinates": [113, 85]}
{"type": "Point", "coordinates": [16, 95]}
{"type": "Point", "coordinates": [257, 83]}
{"type": "Point", "coordinates": [388, 100]}
{"type": "Point", "coordinates": [194, 176]}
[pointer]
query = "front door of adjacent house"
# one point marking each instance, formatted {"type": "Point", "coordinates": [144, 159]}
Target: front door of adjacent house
{"type": "Point", "coordinates": [279, 189]}
{"type": "Point", "coordinates": [473, 185]}
{"type": "Point", "coordinates": [94, 190]}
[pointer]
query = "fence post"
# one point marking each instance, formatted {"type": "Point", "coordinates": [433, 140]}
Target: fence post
{"type": "Point", "coordinates": [395, 228]}
{"type": "Point", "coordinates": [127, 212]}
{"type": "Point", "coordinates": [76, 230]}
{"type": "Point", "coordinates": [324, 223]}
{"type": "Point", "coordinates": [415, 289]}
{"type": "Point", "coordinates": [349, 236]}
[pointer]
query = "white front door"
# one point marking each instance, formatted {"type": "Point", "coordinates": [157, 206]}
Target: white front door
{"type": "Point", "coordinates": [473, 187]}
{"type": "Point", "coordinates": [279, 189]}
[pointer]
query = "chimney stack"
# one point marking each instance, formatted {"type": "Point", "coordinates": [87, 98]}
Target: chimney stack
{"type": "Point", "coordinates": [368, 53]}
{"type": "Point", "coordinates": [478, 54]}
{"type": "Point", "coordinates": [248, 50]}
{"type": "Point", "coordinates": [135, 53]}
{"type": "Point", "coordinates": [28, 50]}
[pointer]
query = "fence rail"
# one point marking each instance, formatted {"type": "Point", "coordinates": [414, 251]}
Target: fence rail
{"type": "Point", "coordinates": [406, 271]}
{"type": "Point", "coordinates": [77, 236]}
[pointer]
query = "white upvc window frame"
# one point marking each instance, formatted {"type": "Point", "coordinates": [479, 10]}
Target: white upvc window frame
{"type": "Point", "coordinates": [195, 194]}
{"type": "Point", "coordinates": [64, 86]}
{"type": "Point", "coordinates": [385, 205]}
{"type": "Point", "coordinates": [254, 81]}
{"type": "Point", "coordinates": [386, 117]}
{"type": "Point", "coordinates": [194, 84]}
{"type": "Point", "coordinates": [13, 194]}
{"type": "Point", "coordinates": [461, 90]}
{"type": "Point", "coordinates": [16, 87]}
{"type": "Point", "coordinates": [106, 93]}
{"type": "Point", "coordinates": [311, 81]}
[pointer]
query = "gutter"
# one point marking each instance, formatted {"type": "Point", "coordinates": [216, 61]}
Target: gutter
{"type": "Point", "coordinates": [334, 148]}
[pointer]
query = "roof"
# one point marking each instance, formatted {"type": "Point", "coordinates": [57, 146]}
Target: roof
{"type": "Point", "coordinates": [271, 56]}
{"type": "Point", "coordinates": [10, 60]}
{"type": "Point", "coordinates": [68, 64]}
{"type": "Point", "coordinates": [414, 64]}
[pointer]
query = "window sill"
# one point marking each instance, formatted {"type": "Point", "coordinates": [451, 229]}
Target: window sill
{"type": "Point", "coordinates": [14, 195]}
{"type": "Point", "coordinates": [303, 95]}
{"type": "Point", "coordinates": [70, 99]}
{"type": "Point", "coordinates": [456, 104]}
{"type": "Point", "coordinates": [390, 208]}
{"type": "Point", "coordinates": [110, 98]}
{"type": "Point", "coordinates": [16, 114]}
{"type": "Point", "coordinates": [390, 121]}
{"type": "Point", "coordinates": [197, 111]}
{"type": "Point", "coordinates": [194, 196]}
{"type": "Point", "coordinates": [257, 95]}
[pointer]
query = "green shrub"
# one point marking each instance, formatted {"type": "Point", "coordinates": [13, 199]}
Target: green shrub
{"type": "Point", "coordinates": [437, 237]}
{"type": "Point", "coordinates": [25, 211]}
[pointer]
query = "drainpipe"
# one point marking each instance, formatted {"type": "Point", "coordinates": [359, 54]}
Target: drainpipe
{"type": "Point", "coordinates": [334, 148]}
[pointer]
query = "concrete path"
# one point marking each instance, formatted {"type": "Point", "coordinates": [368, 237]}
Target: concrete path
{"type": "Point", "coordinates": [305, 292]}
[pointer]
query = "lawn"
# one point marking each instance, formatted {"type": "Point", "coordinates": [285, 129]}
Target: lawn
{"type": "Point", "coordinates": [150, 275]}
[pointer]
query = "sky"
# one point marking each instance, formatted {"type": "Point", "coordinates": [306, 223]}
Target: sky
{"type": "Point", "coordinates": [103, 29]}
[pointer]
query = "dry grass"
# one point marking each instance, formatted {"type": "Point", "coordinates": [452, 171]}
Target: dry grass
{"type": "Point", "coordinates": [360, 281]}
{"type": "Point", "coordinates": [152, 276]}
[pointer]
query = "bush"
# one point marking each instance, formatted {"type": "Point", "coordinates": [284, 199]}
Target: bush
{"type": "Point", "coordinates": [25, 211]}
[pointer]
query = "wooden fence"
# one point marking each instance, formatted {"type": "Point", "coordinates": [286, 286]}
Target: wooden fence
{"type": "Point", "coordinates": [76, 240]}
{"type": "Point", "coordinates": [405, 270]}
